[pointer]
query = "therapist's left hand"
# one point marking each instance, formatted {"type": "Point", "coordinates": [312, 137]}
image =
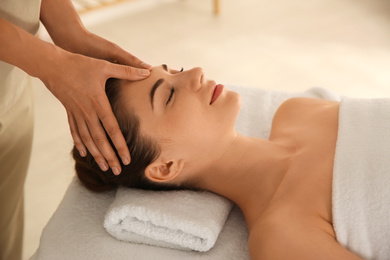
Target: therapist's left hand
{"type": "Point", "coordinates": [81, 88]}
{"type": "Point", "coordinates": [89, 136]}
{"type": "Point", "coordinates": [97, 47]}
{"type": "Point", "coordinates": [78, 82]}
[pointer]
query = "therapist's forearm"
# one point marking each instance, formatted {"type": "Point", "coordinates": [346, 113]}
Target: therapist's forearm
{"type": "Point", "coordinates": [67, 31]}
{"type": "Point", "coordinates": [24, 50]}
{"type": "Point", "coordinates": [63, 24]}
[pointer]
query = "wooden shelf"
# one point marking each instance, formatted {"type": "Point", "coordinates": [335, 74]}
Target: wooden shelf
{"type": "Point", "coordinates": [85, 6]}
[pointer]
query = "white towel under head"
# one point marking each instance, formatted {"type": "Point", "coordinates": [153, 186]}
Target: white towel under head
{"type": "Point", "coordinates": [186, 220]}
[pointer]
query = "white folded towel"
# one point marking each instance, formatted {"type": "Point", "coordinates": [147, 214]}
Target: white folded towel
{"type": "Point", "coordinates": [185, 220]}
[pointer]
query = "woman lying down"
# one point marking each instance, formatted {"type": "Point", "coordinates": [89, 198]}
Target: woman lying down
{"type": "Point", "coordinates": [292, 188]}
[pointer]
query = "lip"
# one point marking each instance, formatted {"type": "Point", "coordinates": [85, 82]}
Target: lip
{"type": "Point", "coordinates": [217, 90]}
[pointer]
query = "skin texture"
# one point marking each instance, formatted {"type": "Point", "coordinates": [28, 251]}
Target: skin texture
{"type": "Point", "coordinates": [85, 59]}
{"type": "Point", "coordinates": [283, 185]}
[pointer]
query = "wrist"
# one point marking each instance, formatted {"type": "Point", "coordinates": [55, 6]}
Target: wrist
{"type": "Point", "coordinates": [51, 62]}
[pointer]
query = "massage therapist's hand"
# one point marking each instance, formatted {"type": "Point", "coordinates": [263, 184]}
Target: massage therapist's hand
{"type": "Point", "coordinates": [79, 83]}
{"type": "Point", "coordinates": [87, 105]}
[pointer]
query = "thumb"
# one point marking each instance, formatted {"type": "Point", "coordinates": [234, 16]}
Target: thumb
{"type": "Point", "coordinates": [127, 72]}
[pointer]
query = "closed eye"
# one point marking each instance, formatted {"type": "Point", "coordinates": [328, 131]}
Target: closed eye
{"type": "Point", "coordinates": [170, 95]}
{"type": "Point", "coordinates": [173, 90]}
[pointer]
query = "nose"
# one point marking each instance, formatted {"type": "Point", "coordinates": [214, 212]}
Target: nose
{"type": "Point", "coordinates": [197, 78]}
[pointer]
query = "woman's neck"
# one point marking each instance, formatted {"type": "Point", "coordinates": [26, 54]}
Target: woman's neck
{"type": "Point", "coordinates": [248, 173]}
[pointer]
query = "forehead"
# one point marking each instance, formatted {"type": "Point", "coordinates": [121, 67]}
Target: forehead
{"type": "Point", "coordinates": [131, 89]}
{"type": "Point", "coordinates": [136, 94]}
{"type": "Point", "coordinates": [156, 73]}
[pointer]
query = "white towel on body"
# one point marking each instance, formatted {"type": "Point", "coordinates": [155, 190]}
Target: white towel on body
{"type": "Point", "coordinates": [361, 178]}
{"type": "Point", "coordinates": [187, 220]}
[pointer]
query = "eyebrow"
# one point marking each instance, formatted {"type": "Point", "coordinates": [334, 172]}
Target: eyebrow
{"type": "Point", "coordinates": [153, 90]}
{"type": "Point", "coordinates": [156, 85]}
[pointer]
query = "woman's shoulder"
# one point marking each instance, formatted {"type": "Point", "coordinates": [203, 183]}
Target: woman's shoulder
{"type": "Point", "coordinates": [301, 107]}
{"type": "Point", "coordinates": [299, 117]}
{"type": "Point", "coordinates": [303, 103]}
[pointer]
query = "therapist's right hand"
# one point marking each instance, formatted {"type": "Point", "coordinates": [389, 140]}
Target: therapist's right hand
{"type": "Point", "coordinates": [78, 82]}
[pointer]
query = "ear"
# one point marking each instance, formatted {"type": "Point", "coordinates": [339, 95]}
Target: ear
{"type": "Point", "coordinates": [160, 171]}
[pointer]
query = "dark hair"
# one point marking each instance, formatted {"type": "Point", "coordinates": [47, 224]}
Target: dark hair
{"type": "Point", "coordinates": [143, 151]}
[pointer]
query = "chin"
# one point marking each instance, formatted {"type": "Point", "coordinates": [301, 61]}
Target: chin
{"type": "Point", "coordinates": [233, 107]}
{"type": "Point", "coordinates": [236, 101]}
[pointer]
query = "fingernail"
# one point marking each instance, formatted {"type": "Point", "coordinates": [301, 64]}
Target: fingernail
{"type": "Point", "coordinates": [82, 153]}
{"type": "Point", "coordinates": [144, 72]}
{"type": "Point", "coordinates": [125, 160]}
{"type": "Point", "coordinates": [103, 166]}
{"type": "Point", "coordinates": [145, 65]}
{"type": "Point", "coordinates": [115, 170]}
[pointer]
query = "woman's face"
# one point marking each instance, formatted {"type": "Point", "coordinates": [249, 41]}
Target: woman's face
{"type": "Point", "coordinates": [190, 117]}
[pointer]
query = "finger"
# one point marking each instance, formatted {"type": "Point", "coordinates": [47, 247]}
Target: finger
{"type": "Point", "coordinates": [100, 139]}
{"type": "Point", "coordinates": [127, 72]}
{"type": "Point", "coordinates": [86, 138]}
{"type": "Point", "coordinates": [126, 58]}
{"type": "Point", "coordinates": [146, 66]}
{"type": "Point", "coordinates": [133, 61]}
{"type": "Point", "coordinates": [75, 135]}
{"type": "Point", "coordinates": [111, 126]}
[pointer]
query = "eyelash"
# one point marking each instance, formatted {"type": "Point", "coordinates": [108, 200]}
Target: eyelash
{"type": "Point", "coordinates": [170, 96]}
{"type": "Point", "coordinates": [173, 90]}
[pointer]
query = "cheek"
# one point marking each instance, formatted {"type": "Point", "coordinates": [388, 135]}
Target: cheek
{"type": "Point", "coordinates": [189, 122]}
{"type": "Point", "coordinates": [195, 130]}
{"type": "Point", "coordinates": [196, 121]}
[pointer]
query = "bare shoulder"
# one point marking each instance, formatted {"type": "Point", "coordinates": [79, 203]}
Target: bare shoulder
{"type": "Point", "coordinates": [273, 239]}
{"type": "Point", "coordinates": [303, 104]}
{"type": "Point", "coordinates": [301, 110]}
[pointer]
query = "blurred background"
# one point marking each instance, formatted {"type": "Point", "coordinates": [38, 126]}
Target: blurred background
{"type": "Point", "coordinates": [342, 45]}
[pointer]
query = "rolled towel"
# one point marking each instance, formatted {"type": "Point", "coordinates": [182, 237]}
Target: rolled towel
{"type": "Point", "coordinates": [185, 220]}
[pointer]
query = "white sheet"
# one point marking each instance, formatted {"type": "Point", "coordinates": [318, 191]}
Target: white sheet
{"type": "Point", "coordinates": [76, 229]}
